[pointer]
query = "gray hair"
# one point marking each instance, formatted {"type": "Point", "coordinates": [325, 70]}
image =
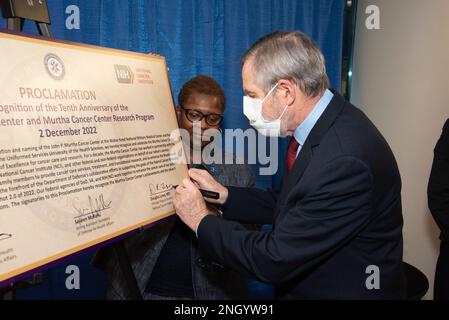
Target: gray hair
{"type": "Point", "coordinates": [288, 55]}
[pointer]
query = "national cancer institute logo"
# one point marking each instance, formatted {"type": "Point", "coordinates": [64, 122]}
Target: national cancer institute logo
{"type": "Point", "coordinates": [55, 67]}
{"type": "Point", "coordinates": [124, 74]}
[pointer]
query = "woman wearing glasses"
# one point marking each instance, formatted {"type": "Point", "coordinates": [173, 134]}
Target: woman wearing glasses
{"type": "Point", "coordinates": [166, 259]}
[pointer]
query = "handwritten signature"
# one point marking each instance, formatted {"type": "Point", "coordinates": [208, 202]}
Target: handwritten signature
{"type": "Point", "coordinates": [5, 236]}
{"type": "Point", "coordinates": [94, 204]}
{"type": "Point", "coordinates": [160, 188]}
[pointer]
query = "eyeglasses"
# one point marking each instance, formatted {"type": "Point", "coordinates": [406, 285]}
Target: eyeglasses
{"type": "Point", "coordinates": [196, 116]}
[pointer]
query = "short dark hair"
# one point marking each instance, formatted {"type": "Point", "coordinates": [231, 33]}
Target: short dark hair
{"type": "Point", "coordinates": [202, 84]}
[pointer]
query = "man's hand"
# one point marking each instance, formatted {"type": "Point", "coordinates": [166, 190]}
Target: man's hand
{"type": "Point", "coordinates": [189, 204]}
{"type": "Point", "coordinates": [206, 182]}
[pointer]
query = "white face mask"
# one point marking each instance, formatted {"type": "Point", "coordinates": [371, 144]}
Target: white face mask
{"type": "Point", "coordinates": [252, 108]}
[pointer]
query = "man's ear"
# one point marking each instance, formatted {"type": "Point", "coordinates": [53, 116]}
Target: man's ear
{"type": "Point", "coordinates": [287, 91]}
{"type": "Point", "coordinates": [178, 112]}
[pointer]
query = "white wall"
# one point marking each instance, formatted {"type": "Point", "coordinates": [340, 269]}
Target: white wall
{"type": "Point", "coordinates": [401, 81]}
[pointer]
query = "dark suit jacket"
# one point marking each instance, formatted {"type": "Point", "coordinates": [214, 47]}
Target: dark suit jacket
{"type": "Point", "coordinates": [438, 188]}
{"type": "Point", "coordinates": [337, 213]}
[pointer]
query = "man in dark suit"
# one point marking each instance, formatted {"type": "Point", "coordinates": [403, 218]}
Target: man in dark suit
{"type": "Point", "coordinates": [337, 220]}
{"type": "Point", "coordinates": [438, 195]}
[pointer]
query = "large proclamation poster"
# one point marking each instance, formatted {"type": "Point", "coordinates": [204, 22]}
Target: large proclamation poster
{"type": "Point", "coordinates": [84, 148]}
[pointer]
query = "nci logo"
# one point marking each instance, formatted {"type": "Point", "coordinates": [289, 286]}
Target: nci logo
{"type": "Point", "coordinates": [124, 74]}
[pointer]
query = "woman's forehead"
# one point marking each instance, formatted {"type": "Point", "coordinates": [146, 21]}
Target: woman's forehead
{"type": "Point", "coordinates": [202, 101]}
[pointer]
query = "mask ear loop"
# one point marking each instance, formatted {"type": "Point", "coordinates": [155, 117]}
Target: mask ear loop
{"type": "Point", "coordinates": [283, 112]}
{"type": "Point", "coordinates": [270, 92]}
{"type": "Point", "coordinates": [285, 109]}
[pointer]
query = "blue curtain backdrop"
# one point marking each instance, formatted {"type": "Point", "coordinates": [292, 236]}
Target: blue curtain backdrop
{"type": "Point", "coordinates": [197, 37]}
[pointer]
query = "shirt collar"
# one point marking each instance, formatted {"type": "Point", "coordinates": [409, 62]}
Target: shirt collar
{"type": "Point", "coordinates": [303, 131]}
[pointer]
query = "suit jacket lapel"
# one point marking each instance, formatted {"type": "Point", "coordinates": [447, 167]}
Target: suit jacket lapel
{"type": "Point", "coordinates": [323, 124]}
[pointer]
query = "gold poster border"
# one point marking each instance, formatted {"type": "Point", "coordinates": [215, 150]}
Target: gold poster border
{"type": "Point", "coordinates": [87, 245]}
{"type": "Point", "coordinates": [5, 34]}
